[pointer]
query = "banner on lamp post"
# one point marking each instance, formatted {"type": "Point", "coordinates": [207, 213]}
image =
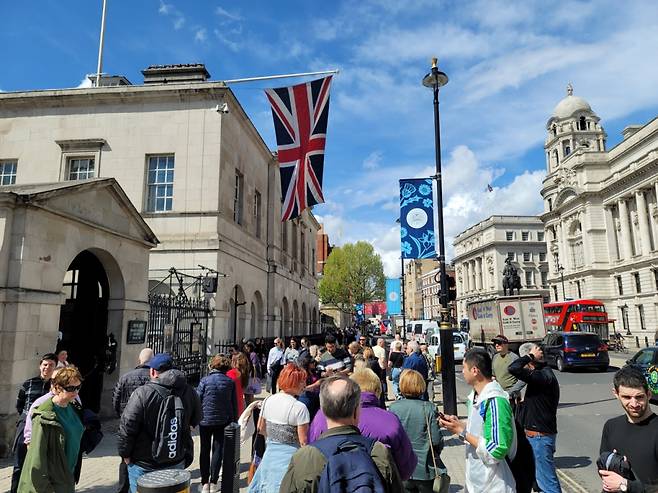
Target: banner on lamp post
{"type": "Point", "coordinates": [393, 306]}
{"type": "Point", "coordinates": [417, 239]}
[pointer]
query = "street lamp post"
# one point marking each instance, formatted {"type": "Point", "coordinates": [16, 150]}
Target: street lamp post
{"type": "Point", "coordinates": [560, 269]}
{"type": "Point", "coordinates": [434, 80]}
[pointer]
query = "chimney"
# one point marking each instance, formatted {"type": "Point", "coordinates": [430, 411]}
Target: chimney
{"type": "Point", "coordinates": [630, 130]}
{"type": "Point", "coordinates": [174, 74]}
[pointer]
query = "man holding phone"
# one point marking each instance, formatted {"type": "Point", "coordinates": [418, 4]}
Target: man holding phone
{"type": "Point", "coordinates": [490, 432]}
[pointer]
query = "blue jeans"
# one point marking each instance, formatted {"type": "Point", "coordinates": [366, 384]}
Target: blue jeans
{"type": "Point", "coordinates": [543, 448]}
{"type": "Point", "coordinates": [395, 379]}
{"type": "Point", "coordinates": [135, 472]}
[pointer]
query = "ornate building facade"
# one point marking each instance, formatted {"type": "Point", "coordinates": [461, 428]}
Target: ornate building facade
{"type": "Point", "coordinates": [601, 214]}
{"type": "Point", "coordinates": [481, 251]}
{"type": "Point", "coordinates": [414, 270]}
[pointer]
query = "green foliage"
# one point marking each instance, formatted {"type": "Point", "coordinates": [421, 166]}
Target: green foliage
{"type": "Point", "coordinates": [353, 274]}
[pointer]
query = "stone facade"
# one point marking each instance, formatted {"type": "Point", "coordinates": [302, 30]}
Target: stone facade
{"type": "Point", "coordinates": [219, 207]}
{"type": "Point", "coordinates": [413, 292]}
{"type": "Point", "coordinates": [601, 215]}
{"type": "Point", "coordinates": [480, 253]}
{"type": "Point", "coordinates": [43, 229]}
{"type": "Point", "coordinates": [431, 288]}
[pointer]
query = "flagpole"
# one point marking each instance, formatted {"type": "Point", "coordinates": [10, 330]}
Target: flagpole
{"type": "Point", "coordinates": [99, 68]}
{"type": "Point", "coordinates": [284, 76]}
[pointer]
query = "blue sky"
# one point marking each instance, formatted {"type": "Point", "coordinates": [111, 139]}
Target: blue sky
{"type": "Point", "coordinates": [508, 63]}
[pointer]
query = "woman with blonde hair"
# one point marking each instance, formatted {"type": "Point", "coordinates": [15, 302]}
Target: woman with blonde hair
{"type": "Point", "coordinates": [379, 367]}
{"type": "Point", "coordinates": [57, 429]}
{"type": "Point", "coordinates": [419, 419]}
{"type": "Point", "coordinates": [375, 422]}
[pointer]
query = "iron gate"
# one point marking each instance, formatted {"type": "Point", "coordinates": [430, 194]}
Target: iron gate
{"type": "Point", "coordinates": [178, 325]}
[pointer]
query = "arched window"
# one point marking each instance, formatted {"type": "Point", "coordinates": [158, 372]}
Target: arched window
{"type": "Point", "coordinates": [554, 130]}
{"type": "Point", "coordinates": [583, 123]}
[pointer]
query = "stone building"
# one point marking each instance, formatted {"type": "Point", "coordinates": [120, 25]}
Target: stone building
{"type": "Point", "coordinates": [481, 251]}
{"type": "Point", "coordinates": [601, 214]}
{"type": "Point", "coordinates": [198, 172]}
{"type": "Point", "coordinates": [412, 283]}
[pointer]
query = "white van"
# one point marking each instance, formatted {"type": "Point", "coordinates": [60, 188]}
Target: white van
{"type": "Point", "coordinates": [459, 345]}
{"type": "Point", "coordinates": [419, 329]}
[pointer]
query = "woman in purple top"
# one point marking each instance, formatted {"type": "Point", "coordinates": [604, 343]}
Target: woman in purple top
{"type": "Point", "coordinates": [375, 422]}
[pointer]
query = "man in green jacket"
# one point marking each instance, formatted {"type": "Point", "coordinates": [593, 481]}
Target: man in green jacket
{"type": "Point", "coordinates": [340, 400]}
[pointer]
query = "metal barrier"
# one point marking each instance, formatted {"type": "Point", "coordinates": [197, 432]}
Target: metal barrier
{"type": "Point", "coordinates": [165, 481]}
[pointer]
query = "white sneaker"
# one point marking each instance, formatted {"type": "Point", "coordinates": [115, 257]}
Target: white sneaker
{"type": "Point", "coordinates": [213, 488]}
{"type": "Point", "coordinates": [205, 488]}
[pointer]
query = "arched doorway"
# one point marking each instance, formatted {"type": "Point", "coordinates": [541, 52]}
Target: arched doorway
{"type": "Point", "coordinates": [295, 318]}
{"type": "Point", "coordinates": [259, 322]}
{"type": "Point", "coordinates": [285, 321]}
{"type": "Point", "coordinates": [304, 324]}
{"type": "Point", "coordinates": [83, 323]}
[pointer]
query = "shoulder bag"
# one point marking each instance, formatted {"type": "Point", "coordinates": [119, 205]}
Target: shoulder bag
{"type": "Point", "coordinates": [441, 479]}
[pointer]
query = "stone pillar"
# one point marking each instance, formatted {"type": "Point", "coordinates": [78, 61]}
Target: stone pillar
{"type": "Point", "coordinates": [467, 287]}
{"type": "Point", "coordinates": [643, 220]}
{"type": "Point", "coordinates": [611, 235]}
{"type": "Point", "coordinates": [562, 247]}
{"type": "Point", "coordinates": [626, 246]}
{"type": "Point", "coordinates": [478, 273]}
{"type": "Point", "coordinates": [654, 218]}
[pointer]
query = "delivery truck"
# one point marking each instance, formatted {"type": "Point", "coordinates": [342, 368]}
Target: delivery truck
{"type": "Point", "coordinates": [519, 318]}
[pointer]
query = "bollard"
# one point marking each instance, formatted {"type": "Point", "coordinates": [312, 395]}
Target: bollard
{"type": "Point", "coordinates": [437, 363]}
{"type": "Point", "coordinates": [646, 341]}
{"type": "Point", "coordinates": [231, 459]}
{"type": "Point", "coordinates": [165, 481]}
{"type": "Point", "coordinates": [637, 341]}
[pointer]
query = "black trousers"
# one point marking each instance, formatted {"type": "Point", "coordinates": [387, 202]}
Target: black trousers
{"type": "Point", "coordinates": [210, 458]}
{"type": "Point", "coordinates": [124, 484]}
{"type": "Point", "coordinates": [20, 451]}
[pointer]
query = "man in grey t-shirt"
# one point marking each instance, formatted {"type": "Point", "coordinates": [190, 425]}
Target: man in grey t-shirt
{"type": "Point", "coordinates": [500, 363]}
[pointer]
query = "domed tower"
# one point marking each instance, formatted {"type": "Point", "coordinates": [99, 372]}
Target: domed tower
{"type": "Point", "coordinates": [572, 127]}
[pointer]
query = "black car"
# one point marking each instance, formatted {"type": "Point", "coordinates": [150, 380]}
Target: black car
{"type": "Point", "coordinates": [645, 358]}
{"type": "Point", "coordinates": [566, 350]}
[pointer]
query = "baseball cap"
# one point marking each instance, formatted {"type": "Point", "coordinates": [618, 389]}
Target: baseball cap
{"type": "Point", "coordinates": [161, 362]}
{"type": "Point", "coordinates": [500, 339]}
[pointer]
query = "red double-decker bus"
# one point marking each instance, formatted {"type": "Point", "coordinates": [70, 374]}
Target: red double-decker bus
{"type": "Point", "coordinates": [577, 315]}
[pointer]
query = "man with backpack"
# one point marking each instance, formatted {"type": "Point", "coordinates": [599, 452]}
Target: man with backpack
{"type": "Point", "coordinates": [342, 460]}
{"type": "Point", "coordinates": [490, 433]}
{"type": "Point", "coordinates": [163, 441]}
{"type": "Point", "coordinates": [538, 412]}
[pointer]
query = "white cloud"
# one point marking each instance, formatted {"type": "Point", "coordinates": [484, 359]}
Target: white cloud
{"type": "Point", "coordinates": [373, 160]}
{"type": "Point", "coordinates": [200, 35]}
{"type": "Point", "coordinates": [228, 15]}
{"type": "Point", "coordinates": [165, 8]}
{"type": "Point", "coordinates": [179, 23]}
{"type": "Point", "coordinates": [168, 9]}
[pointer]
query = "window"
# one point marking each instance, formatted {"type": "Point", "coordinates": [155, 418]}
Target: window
{"type": "Point", "coordinates": [257, 213]}
{"type": "Point", "coordinates": [237, 197]}
{"type": "Point", "coordinates": [8, 172]}
{"type": "Point", "coordinates": [81, 168]}
{"type": "Point", "coordinates": [655, 278]}
{"type": "Point", "coordinates": [580, 294]}
{"type": "Point", "coordinates": [525, 235]}
{"type": "Point", "coordinates": [620, 286]}
{"type": "Point", "coordinates": [644, 357]}
{"type": "Point", "coordinates": [544, 279]}
{"type": "Point", "coordinates": [294, 241]}
{"type": "Point", "coordinates": [638, 285]}
{"type": "Point", "coordinates": [527, 257]}
{"type": "Point", "coordinates": [509, 235]}
{"type": "Point", "coordinates": [160, 183]}
{"type": "Point", "coordinates": [70, 284]}
{"type": "Point", "coordinates": [540, 235]}
{"type": "Point", "coordinates": [302, 249]}
{"type": "Point", "coordinates": [640, 313]}
{"type": "Point", "coordinates": [542, 256]}
{"type": "Point", "coordinates": [582, 125]}
{"type": "Point", "coordinates": [511, 256]}
{"type": "Point", "coordinates": [528, 278]}
{"type": "Point", "coordinates": [555, 293]}
{"type": "Point", "coordinates": [550, 204]}
{"type": "Point", "coordinates": [284, 236]}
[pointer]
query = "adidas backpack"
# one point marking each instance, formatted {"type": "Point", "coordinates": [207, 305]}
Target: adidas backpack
{"type": "Point", "coordinates": [170, 439]}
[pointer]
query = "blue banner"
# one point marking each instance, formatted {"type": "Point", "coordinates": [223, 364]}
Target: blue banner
{"type": "Point", "coordinates": [417, 218]}
{"type": "Point", "coordinates": [393, 306]}
{"type": "Point", "coordinates": [360, 317]}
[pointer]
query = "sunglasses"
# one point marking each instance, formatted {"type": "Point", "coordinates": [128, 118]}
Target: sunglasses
{"type": "Point", "coordinates": [72, 388]}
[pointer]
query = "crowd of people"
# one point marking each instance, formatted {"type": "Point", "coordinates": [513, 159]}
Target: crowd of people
{"type": "Point", "coordinates": [330, 422]}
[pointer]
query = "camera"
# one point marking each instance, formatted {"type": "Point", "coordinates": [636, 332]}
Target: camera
{"type": "Point", "coordinates": [612, 461]}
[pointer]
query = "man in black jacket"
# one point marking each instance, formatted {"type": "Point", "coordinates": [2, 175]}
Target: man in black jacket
{"type": "Point", "coordinates": [124, 388]}
{"type": "Point", "coordinates": [538, 413]}
{"type": "Point", "coordinates": [137, 434]}
{"type": "Point", "coordinates": [633, 435]}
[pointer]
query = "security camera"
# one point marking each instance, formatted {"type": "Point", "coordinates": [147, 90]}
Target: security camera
{"type": "Point", "coordinates": [222, 108]}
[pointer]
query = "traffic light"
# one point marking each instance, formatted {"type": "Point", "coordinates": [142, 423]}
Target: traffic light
{"type": "Point", "coordinates": [452, 289]}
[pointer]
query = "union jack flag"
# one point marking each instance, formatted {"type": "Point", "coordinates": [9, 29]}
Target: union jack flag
{"type": "Point", "coordinates": [300, 121]}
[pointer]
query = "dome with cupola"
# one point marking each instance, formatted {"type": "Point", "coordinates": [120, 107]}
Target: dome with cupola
{"type": "Point", "coordinates": [570, 105]}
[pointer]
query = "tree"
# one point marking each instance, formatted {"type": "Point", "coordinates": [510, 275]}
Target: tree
{"type": "Point", "coordinates": [353, 274]}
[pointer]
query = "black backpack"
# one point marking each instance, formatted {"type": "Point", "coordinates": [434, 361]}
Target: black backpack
{"type": "Point", "coordinates": [169, 442]}
{"type": "Point", "coordinates": [523, 464]}
{"type": "Point", "coordinates": [349, 467]}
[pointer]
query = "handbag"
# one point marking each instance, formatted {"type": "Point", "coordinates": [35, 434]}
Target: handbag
{"type": "Point", "coordinates": [255, 387]}
{"type": "Point", "coordinates": [441, 480]}
{"type": "Point", "coordinates": [258, 447]}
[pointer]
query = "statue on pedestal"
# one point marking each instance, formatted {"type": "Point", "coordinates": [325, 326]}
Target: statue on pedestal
{"type": "Point", "coordinates": [511, 279]}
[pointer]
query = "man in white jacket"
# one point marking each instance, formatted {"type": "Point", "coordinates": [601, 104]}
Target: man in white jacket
{"type": "Point", "coordinates": [490, 432]}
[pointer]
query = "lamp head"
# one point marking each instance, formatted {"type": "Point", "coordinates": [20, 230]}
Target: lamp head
{"type": "Point", "coordinates": [435, 78]}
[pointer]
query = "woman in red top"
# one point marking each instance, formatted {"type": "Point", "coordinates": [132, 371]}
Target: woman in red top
{"type": "Point", "coordinates": [240, 375]}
